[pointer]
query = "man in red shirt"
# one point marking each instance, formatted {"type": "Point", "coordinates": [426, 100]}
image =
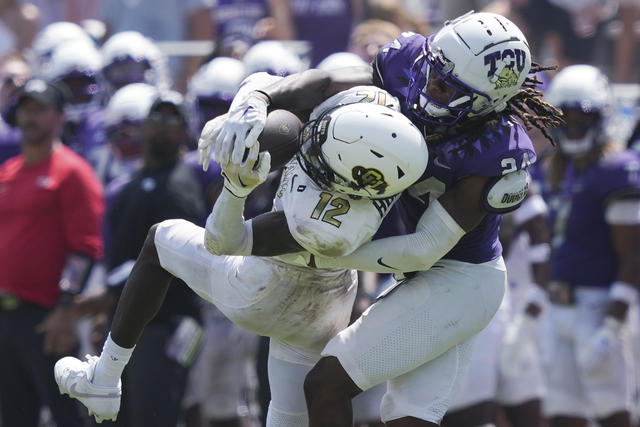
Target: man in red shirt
{"type": "Point", "coordinates": [51, 207]}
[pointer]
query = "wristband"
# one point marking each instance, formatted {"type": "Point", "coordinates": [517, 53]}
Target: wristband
{"type": "Point", "coordinates": [262, 95]}
{"type": "Point", "coordinates": [624, 292]}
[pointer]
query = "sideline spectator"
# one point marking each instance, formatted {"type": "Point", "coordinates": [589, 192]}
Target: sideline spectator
{"type": "Point", "coordinates": [51, 207]}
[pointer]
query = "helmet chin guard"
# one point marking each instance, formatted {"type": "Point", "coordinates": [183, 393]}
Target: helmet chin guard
{"type": "Point", "coordinates": [585, 90]}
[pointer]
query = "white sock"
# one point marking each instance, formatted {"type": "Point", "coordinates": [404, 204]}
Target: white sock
{"type": "Point", "coordinates": [111, 363]}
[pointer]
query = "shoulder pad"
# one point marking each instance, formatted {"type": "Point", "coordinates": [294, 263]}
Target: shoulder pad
{"type": "Point", "coordinates": [505, 193]}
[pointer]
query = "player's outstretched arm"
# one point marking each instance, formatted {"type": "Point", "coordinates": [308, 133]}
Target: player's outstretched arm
{"type": "Point", "coordinates": [226, 231]}
{"type": "Point", "coordinates": [298, 93]}
{"type": "Point", "coordinates": [441, 226]}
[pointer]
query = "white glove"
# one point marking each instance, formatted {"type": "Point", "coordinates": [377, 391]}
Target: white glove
{"type": "Point", "coordinates": [520, 334]}
{"type": "Point", "coordinates": [595, 352]}
{"type": "Point", "coordinates": [241, 178]}
{"type": "Point", "coordinates": [208, 138]}
{"type": "Point", "coordinates": [242, 128]}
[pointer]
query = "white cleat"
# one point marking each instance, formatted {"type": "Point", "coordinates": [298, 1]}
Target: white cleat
{"type": "Point", "coordinates": [74, 378]}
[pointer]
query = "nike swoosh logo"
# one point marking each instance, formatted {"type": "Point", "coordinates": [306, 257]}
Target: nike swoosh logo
{"type": "Point", "coordinates": [385, 265]}
{"type": "Point", "coordinates": [436, 162]}
{"type": "Point", "coordinates": [75, 393]}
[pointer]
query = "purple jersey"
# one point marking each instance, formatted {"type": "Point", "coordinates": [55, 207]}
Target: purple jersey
{"type": "Point", "coordinates": [326, 24]}
{"type": "Point", "coordinates": [237, 18]}
{"type": "Point", "coordinates": [85, 136]}
{"type": "Point", "coordinates": [209, 181]}
{"type": "Point", "coordinates": [582, 251]}
{"type": "Point", "coordinates": [502, 149]}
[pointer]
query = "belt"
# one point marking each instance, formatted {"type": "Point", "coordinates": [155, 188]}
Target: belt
{"type": "Point", "coordinates": [9, 302]}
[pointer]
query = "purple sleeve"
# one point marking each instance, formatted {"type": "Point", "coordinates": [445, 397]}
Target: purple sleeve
{"type": "Point", "coordinates": [393, 62]}
{"type": "Point", "coordinates": [622, 171]}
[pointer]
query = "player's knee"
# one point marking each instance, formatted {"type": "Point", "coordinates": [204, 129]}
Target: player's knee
{"type": "Point", "coordinates": [328, 377]}
{"type": "Point", "coordinates": [149, 252]}
{"type": "Point", "coordinates": [319, 378]}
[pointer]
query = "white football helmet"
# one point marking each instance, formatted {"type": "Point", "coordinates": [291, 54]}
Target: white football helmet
{"type": "Point", "coordinates": [585, 89]}
{"type": "Point", "coordinates": [130, 103]}
{"type": "Point", "coordinates": [77, 64]}
{"type": "Point", "coordinates": [341, 60]}
{"type": "Point", "coordinates": [483, 57]}
{"type": "Point", "coordinates": [124, 115]}
{"type": "Point", "coordinates": [48, 39]}
{"type": "Point", "coordinates": [129, 57]}
{"type": "Point", "coordinates": [212, 88]}
{"type": "Point", "coordinates": [272, 57]}
{"type": "Point", "coordinates": [364, 150]}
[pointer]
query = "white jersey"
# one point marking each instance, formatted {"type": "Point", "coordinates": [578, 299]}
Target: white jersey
{"type": "Point", "coordinates": [324, 223]}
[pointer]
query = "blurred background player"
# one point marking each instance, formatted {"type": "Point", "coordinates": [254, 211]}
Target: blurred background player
{"type": "Point", "coordinates": [48, 39]}
{"type": "Point", "coordinates": [163, 187]}
{"type": "Point", "coordinates": [272, 57]}
{"type": "Point", "coordinates": [594, 203]}
{"type": "Point", "coordinates": [165, 20]}
{"type": "Point", "coordinates": [506, 370]}
{"type": "Point", "coordinates": [14, 72]}
{"type": "Point", "coordinates": [123, 118]}
{"type": "Point", "coordinates": [211, 90]}
{"type": "Point", "coordinates": [129, 57]}
{"type": "Point", "coordinates": [77, 65]}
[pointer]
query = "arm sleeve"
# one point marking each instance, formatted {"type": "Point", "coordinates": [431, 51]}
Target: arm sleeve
{"type": "Point", "coordinates": [226, 231]}
{"type": "Point", "coordinates": [436, 234]}
{"type": "Point", "coordinates": [81, 211]}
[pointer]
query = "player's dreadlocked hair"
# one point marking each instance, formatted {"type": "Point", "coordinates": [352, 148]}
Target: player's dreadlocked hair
{"type": "Point", "coordinates": [527, 105]}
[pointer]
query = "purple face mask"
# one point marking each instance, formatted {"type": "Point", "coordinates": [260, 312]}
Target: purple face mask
{"type": "Point", "coordinates": [435, 94]}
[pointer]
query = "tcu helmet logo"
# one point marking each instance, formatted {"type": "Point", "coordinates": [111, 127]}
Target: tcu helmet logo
{"type": "Point", "coordinates": [369, 177]}
{"type": "Point", "coordinates": [503, 65]}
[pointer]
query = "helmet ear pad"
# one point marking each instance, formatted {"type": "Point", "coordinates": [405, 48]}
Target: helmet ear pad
{"type": "Point", "coordinates": [280, 137]}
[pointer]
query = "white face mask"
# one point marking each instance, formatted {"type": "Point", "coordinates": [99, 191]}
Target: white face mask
{"type": "Point", "coordinates": [578, 146]}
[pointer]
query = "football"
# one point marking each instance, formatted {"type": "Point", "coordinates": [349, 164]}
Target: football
{"type": "Point", "coordinates": [280, 137]}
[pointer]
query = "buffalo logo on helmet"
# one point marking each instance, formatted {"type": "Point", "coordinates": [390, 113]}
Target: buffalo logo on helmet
{"type": "Point", "coordinates": [284, 129]}
{"type": "Point", "coordinates": [369, 177]}
{"type": "Point", "coordinates": [503, 65]}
